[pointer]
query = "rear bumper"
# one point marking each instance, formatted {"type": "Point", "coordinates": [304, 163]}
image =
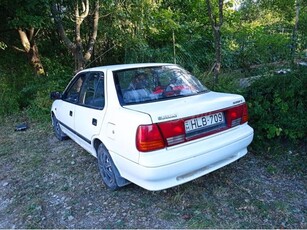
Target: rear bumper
{"type": "Point", "coordinates": [177, 165]}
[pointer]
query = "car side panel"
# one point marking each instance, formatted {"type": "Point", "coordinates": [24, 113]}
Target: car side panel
{"type": "Point", "coordinates": [64, 112]}
{"type": "Point", "coordinates": [88, 122]}
{"type": "Point", "coordinates": [119, 130]}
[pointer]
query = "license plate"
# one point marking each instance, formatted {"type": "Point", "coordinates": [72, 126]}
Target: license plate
{"type": "Point", "coordinates": [203, 122]}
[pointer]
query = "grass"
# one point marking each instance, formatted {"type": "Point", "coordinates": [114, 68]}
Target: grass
{"type": "Point", "coordinates": [45, 183]}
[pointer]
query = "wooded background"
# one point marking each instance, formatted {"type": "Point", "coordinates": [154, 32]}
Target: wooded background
{"type": "Point", "coordinates": [44, 42]}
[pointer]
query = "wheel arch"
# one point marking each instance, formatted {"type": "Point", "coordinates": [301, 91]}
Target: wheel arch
{"type": "Point", "coordinates": [52, 114]}
{"type": "Point", "coordinates": [96, 144]}
{"type": "Point", "coordinates": [119, 179]}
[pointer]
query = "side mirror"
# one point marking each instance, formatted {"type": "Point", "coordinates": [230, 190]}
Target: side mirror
{"type": "Point", "coordinates": [55, 95]}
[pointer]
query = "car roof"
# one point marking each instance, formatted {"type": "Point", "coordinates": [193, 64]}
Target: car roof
{"type": "Point", "coordinates": [125, 66]}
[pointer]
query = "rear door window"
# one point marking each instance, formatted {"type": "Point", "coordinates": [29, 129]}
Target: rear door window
{"type": "Point", "coordinates": [92, 93]}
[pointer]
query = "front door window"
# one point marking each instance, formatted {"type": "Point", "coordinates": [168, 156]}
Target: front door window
{"type": "Point", "coordinates": [92, 94]}
{"type": "Point", "coordinates": [73, 92]}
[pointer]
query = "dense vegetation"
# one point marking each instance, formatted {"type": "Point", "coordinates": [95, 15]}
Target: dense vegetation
{"type": "Point", "coordinates": [44, 42]}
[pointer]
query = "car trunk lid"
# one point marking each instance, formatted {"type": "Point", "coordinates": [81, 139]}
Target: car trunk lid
{"type": "Point", "coordinates": [183, 107]}
{"type": "Point", "coordinates": [181, 120]}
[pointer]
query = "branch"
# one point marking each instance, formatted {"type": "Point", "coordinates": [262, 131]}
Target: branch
{"type": "Point", "coordinates": [92, 41]}
{"type": "Point", "coordinates": [85, 11]}
{"type": "Point", "coordinates": [221, 3]}
{"type": "Point", "coordinates": [30, 34]}
{"type": "Point", "coordinates": [18, 49]}
{"type": "Point", "coordinates": [24, 40]}
{"type": "Point", "coordinates": [216, 25]}
{"type": "Point", "coordinates": [79, 20]}
{"type": "Point", "coordinates": [60, 28]}
{"type": "Point", "coordinates": [209, 8]}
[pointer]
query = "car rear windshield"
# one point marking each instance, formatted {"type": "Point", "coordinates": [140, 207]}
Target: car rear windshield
{"type": "Point", "coordinates": [150, 84]}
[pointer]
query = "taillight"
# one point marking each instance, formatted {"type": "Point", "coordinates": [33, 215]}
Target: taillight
{"type": "Point", "coordinates": [158, 136]}
{"type": "Point", "coordinates": [237, 115]}
{"type": "Point", "coordinates": [149, 138]}
{"type": "Point", "coordinates": [245, 114]}
{"type": "Point", "coordinates": [173, 131]}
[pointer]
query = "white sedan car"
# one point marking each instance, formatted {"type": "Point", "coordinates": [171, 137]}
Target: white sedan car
{"type": "Point", "coordinates": [154, 125]}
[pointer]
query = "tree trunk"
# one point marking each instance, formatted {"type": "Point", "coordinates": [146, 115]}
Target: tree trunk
{"type": "Point", "coordinates": [216, 27]}
{"type": "Point", "coordinates": [31, 50]}
{"type": "Point", "coordinates": [218, 55]}
{"type": "Point", "coordinates": [295, 30]}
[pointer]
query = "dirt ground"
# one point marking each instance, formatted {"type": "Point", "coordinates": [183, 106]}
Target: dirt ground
{"type": "Point", "coordinates": [45, 183]}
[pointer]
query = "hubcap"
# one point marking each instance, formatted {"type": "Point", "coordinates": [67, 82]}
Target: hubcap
{"type": "Point", "coordinates": [107, 172]}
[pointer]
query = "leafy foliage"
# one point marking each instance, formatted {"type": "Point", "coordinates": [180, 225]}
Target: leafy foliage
{"type": "Point", "coordinates": [8, 98]}
{"type": "Point", "coordinates": [21, 90]}
{"type": "Point", "coordinates": [256, 35]}
{"type": "Point", "coordinates": [277, 106]}
{"type": "Point", "coordinates": [39, 106]}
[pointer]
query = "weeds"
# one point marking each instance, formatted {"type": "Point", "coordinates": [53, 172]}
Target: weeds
{"type": "Point", "coordinates": [45, 183]}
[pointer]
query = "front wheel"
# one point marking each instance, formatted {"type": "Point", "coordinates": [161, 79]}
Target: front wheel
{"type": "Point", "coordinates": [57, 129]}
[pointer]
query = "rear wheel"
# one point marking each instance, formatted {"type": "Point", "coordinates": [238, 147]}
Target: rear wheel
{"type": "Point", "coordinates": [107, 168]}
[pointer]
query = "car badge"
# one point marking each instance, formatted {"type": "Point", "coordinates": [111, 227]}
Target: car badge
{"type": "Point", "coordinates": [237, 102]}
{"type": "Point", "coordinates": [167, 117]}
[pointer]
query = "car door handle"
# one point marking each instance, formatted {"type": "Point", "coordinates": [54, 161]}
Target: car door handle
{"type": "Point", "coordinates": [94, 122]}
{"type": "Point", "coordinates": [70, 113]}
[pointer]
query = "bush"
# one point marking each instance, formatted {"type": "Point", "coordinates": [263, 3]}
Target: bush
{"type": "Point", "coordinates": [40, 88]}
{"type": "Point", "coordinates": [8, 98]}
{"type": "Point", "coordinates": [12, 77]}
{"type": "Point", "coordinates": [22, 90]}
{"type": "Point", "coordinates": [277, 107]}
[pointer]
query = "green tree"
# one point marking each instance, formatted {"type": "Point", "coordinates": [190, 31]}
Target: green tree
{"type": "Point", "coordinates": [78, 12]}
{"type": "Point", "coordinates": [24, 21]}
{"type": "Point", "coordinates": [216, 21]}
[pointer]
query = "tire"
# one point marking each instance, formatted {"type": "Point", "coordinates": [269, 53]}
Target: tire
{"type": "Point", "coordinates": [110, 175]}
{"type": "Point", "coordinates": [57, 129]}
{"type": "Point", "coordinates": [107, 168]}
